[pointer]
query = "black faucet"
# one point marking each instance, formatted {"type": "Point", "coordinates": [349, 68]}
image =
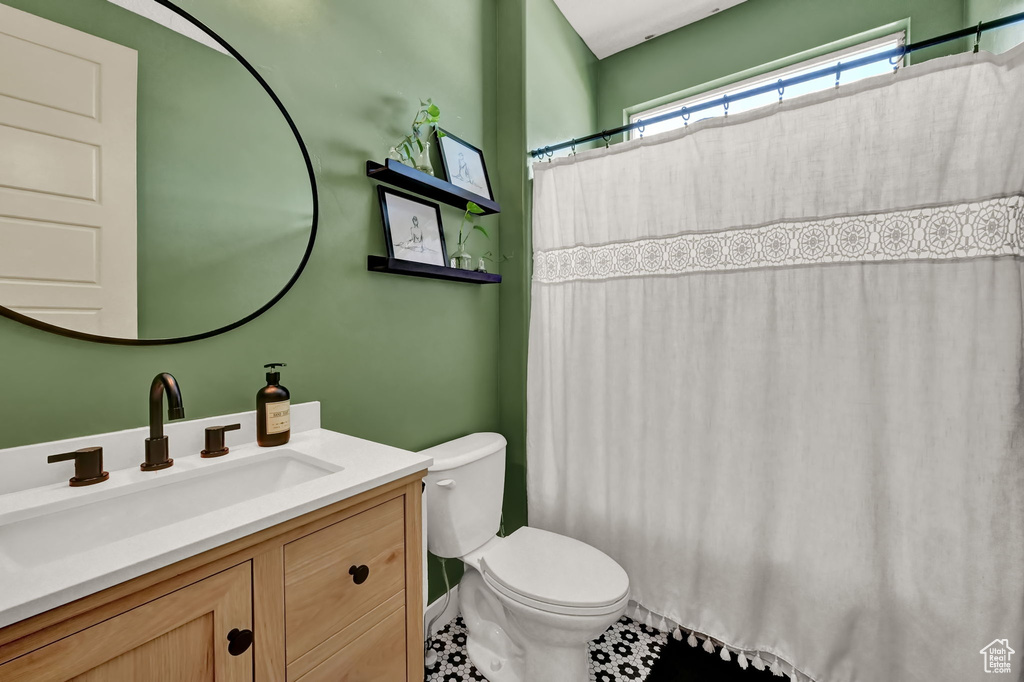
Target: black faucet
{"type": "Point", "coordinates": [156, 444]}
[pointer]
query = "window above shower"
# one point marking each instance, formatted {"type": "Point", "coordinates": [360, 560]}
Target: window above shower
{"type": "Point", "coordinates": [864, 45]}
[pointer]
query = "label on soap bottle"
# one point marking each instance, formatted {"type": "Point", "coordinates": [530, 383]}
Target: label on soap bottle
{"type": "Point", "coordinates": [279, 417]}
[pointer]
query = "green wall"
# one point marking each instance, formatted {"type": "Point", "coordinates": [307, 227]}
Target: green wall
{"type": "Point", "coordinates": [405, 361]}
{"type": "Point", "coordinates": [514, 295]}
{"type": "Point", "coordinates": [754, 33]}
{"type": "Point", "coordinates": [223, 199]}
{"type": "Point", "coordinates": [547, 88]}
{"type": "Point", "coordinates": [561, 77]}
{"type": "Point", "coordinates": [1002, 39]}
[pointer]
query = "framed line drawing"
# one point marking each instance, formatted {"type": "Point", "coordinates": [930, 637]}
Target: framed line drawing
{"type": "Point", "coordinates": [463, 164]}
{"type": "Point", "coordinates": [412, 227]}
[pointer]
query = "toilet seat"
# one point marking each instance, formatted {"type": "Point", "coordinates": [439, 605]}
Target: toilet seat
{"type": "Point", "coordinates": [555, 573]}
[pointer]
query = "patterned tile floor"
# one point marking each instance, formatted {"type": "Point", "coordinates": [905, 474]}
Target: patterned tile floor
{"type": "Point", "coordinates": [625, 652]}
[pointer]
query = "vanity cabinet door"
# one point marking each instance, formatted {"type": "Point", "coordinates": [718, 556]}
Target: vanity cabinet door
{"type": "Point", "coordinates": [180, 637]}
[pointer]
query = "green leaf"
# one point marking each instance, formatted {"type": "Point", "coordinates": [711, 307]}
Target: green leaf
{"type": "Point", "coordinates": [477, 227]}
{"type": "Point", "coordinates": [433, 110]}
{"type": "Point", "coordinates": [441, 133]}
{"type": "Point", "coordinates": [408, 151]}
{"type": "Point", "coordinates": [472, 207]}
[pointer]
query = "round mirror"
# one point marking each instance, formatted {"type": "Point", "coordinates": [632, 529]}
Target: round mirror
{"type": "Point", "coordinates": [153, 187]}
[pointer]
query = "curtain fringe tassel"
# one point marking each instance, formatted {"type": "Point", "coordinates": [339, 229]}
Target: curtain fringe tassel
{"type": "Point", "coordinates": [743, 659]}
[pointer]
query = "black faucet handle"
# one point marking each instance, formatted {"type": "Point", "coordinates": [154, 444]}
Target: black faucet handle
{"type": "Point", "coordinates": [88, 465]}
{"type": "Point", "coordinates": [215, 446]}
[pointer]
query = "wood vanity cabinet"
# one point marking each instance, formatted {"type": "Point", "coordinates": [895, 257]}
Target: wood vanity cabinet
{"type": "Point", "coordinates": [334, 595]}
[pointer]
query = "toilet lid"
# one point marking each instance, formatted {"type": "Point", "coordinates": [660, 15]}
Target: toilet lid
{"type": "Point", "coordinates": [555, 569]}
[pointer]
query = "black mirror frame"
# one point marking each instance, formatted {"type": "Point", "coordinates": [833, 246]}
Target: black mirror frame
{"type": "Point", "coordinates": [83, 336]}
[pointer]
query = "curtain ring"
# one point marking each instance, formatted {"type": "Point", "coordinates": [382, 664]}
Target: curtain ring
{"type": "Point", "coordinates": [977, 39]}
{"type": "Point", "coordinates": [782, 89]}
{"type": "Point", "coordinates": [574, 147]}
{"type": "Point", "coordinates": [607, 138]}
{"type": "Point", "coordinates": [640, 128]}
{"type": "Point", "coordinates": [549, 153]}
{"type": "Point", "coordinates": [898, 58]}
{"type": "Point", "coordinates": [686, 116]}
{"type": "Point", "coordinates": [839, 71]}
{"type": "Point", "coordinates": [725, 103]}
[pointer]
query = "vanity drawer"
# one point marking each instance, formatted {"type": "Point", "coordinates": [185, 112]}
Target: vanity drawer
{"type": "Point", "coordinates": [378, 655]}
{"type": "Point", "coordinates": [327, 587]}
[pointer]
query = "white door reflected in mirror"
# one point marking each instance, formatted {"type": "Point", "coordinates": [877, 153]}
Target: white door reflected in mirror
{"type": "Point", "coordinates": [151, 189]}
{"type": "Point", "coordinates": [67, 184]}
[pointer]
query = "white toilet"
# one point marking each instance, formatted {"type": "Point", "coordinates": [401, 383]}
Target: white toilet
{"type": "Point", "coordinates": [532, 600]}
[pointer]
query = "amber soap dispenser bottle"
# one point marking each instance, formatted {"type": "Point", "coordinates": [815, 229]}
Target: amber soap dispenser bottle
{"type": "Point", "coordinates": [273, 410]}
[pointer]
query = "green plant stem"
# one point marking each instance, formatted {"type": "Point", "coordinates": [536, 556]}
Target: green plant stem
{"type": "Point", "coordinates": [422, 117]}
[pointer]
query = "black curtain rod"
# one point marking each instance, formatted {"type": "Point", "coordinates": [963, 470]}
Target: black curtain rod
{"type": "Point", "coordinates": [782, 84]}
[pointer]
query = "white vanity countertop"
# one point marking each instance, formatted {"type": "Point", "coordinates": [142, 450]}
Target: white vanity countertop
{"type": "Point", "coordinates": [29, 590]}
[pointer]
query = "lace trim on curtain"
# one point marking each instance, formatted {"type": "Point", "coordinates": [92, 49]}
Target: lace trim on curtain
{"type": "Point", "coordinates": [986, 228]}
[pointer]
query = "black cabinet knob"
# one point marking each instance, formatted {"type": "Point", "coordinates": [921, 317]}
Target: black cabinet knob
{"type": "Point", "coordinates": [239, 641]}
{"type": "Point", "coordinates": [359, 574]}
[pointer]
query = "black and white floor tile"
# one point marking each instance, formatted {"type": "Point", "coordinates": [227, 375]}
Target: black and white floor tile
{"type": "Point", "coordinates": [624, 653]}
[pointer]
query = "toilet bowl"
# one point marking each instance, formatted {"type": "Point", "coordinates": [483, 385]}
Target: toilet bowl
{"type": "Point", "coordinates": [531, 601]}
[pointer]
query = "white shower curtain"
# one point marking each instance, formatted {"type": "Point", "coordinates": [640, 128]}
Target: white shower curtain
{"type": "Point", "coordinates": [776, 372]}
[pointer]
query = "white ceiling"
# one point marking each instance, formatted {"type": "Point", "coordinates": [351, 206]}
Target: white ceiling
{"type": "Point", "coordinates": [609, 26]}
{"type": "Point", "coordinates": [169, 19]}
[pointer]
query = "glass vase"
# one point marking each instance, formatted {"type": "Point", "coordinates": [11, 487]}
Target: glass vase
{"type": "Point", "coordinates": [421, 162]}
{"type": "Point", "coordinates": [461, 259]}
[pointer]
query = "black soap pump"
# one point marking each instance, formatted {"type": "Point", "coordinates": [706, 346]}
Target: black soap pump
{"type": "Point", "coordinates": [273, 410]}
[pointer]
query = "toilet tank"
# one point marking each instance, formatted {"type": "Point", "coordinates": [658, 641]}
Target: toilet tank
{"type": "Point", "coordinates": [464, 491]}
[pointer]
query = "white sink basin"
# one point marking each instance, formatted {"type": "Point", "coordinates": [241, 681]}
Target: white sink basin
{"type": "Point", "coordinates": [101, 519]}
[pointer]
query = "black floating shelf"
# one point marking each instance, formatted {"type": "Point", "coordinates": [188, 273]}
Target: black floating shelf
{"type": "Point", "coordinates": [408, 267]}
{"type": "Point", "coordinates": [426, 185]}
